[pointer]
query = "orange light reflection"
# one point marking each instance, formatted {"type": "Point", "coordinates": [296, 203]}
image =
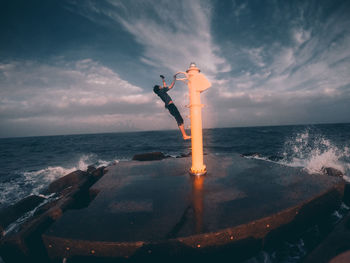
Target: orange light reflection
{"type": "Point", "coordinates": [197, 199]}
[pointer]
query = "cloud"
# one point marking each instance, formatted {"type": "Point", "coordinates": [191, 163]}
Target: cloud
{"type": "Point", "coordinates": [268, 63]}
{"type": "Point", "coordinates": [301, 35]}
{"type": "Point", "coordinates": [68, 94]}
{"type": "Point", "coordinates": [172, 34]}
{"type": "Point", "coordinates": [305, 80]}
{"type": "Point", "coordinates": [239, 9]}
{"type": "Point", "coordinates": [256, 56]}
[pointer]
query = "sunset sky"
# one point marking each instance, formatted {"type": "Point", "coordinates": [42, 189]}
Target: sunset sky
{"type": "Point", "coordinates": [69, 66]}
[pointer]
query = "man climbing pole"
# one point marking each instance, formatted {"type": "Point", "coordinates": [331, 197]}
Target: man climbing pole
{"type": "Point", "coordinates": [161, 91]}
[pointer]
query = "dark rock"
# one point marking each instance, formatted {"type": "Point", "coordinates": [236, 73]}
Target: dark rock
{"type": "Point", "coordinates": [56, 208]}
{"type": "Point", "coordinates": [152, 156]}
{"type": "Point", "coordinates": [335, 243]}
{"type": "Point", "coordinates": [90, 169]}
{"type": "Point", "coordinates": [74, 179]}
{"type": "Point", "coordinates": [342, 258]}
{"type": "Point", "coordinates": [346, 198]}
{"type": "Point", "coordinates": [42, 209]}
{"type": "Point", "coordinates": [98, 173]}
{"type": "Point", "coordinates": [183, 155]}
{"type": "Point", "coordinates": [331, 171]}
{"type": "Point", "coordinates": [13, 212]}
{"type": "Point", "coordinates": [73, 193]}
{"type": "Point", "coordinates": [62, 205]}
{"type": "Point", "coordinates": [26, 245]}
{"type": "Point", "coordinates": [12, 250]}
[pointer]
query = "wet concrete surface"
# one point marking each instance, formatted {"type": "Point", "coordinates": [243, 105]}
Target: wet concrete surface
{"type": "Point", "coordinates": [142, 203]}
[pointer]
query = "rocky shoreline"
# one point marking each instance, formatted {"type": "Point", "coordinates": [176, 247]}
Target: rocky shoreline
{"type": "Point", "coordinates": [22, 224]}
{"type": "Point", "coordinates": [24, 241]}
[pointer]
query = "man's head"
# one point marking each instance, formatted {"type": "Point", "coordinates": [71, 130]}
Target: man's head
{"type": "Point", "coordinates": [156, 89]}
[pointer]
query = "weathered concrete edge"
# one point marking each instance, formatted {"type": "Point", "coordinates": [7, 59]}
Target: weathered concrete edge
{"type": "Point", "coordinates": [64, 247]}
{"type": "Point", "coordinates": [262, 229]}
{"type": "Point", "coordinates": [337, 242]}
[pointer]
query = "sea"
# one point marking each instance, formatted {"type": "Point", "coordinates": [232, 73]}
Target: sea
{"type": "Point", "coordinates": [29, 164]}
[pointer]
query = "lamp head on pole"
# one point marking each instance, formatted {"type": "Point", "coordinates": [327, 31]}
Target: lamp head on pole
{"type": "Point", "coordinates": [198, 81]}
{"type": "Point", "coordinates": [193, 67]}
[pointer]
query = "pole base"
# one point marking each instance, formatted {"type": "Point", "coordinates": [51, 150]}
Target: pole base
{"type": "Point", "coordinates": [198, 172]}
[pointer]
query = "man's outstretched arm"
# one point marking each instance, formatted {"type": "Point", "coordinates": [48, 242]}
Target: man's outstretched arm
{"type": "Point", "coordinates": [163, 80]}
{"type": "Point", "coordinates": [172, 83]}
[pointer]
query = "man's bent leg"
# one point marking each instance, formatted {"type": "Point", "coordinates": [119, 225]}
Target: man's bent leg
{"type": "Point", "coordinates": [175, 112]}
{"type": "Point", "coordinates": [184, 135]}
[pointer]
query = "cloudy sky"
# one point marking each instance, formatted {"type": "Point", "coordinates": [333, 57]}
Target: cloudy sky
{"type": "Point", "coordinates": [69, 66]}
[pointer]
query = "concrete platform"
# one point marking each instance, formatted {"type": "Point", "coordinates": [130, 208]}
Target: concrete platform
{"type": "Point", "coordinates": [157, 208]}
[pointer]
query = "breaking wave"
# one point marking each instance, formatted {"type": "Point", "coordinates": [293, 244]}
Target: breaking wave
{"type": "Point", "coordinates": [313, 152]}
{"type": "Point", "coordinates": [34, 182]}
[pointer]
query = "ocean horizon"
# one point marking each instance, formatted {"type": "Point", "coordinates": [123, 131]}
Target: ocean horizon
{"type": "Point", "coordinates": [29, 164]}
{"type": "Point", "coordinates": [136, 131]}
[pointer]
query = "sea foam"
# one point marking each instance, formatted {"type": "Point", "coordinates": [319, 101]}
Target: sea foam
{"type": "Point", "coordinates": [313, 152]}
{"type": "Point", "coordinates": [34, 182]}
